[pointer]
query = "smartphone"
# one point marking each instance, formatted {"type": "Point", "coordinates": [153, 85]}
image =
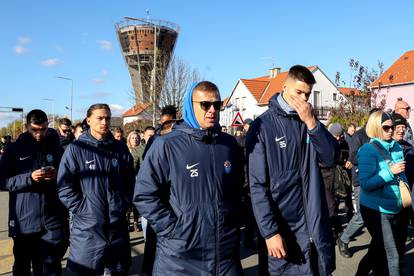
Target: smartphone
{"type": "Point", "coordinates": [47, 168]}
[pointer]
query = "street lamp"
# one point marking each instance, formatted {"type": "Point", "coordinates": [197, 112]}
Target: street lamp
{"type": "Point", "coordinates": [53, 110]}
{"type": "Point", "coordinates": [71, 94]}
{"type": "Point", "coordinates": [155, 59]}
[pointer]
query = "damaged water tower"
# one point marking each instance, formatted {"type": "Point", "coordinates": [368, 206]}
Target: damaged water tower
{"type": "Point", "coordinates": [147, 46]}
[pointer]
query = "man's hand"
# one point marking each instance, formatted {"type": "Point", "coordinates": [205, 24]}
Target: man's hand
{"type": "Point", "coordinates": [304, 110]}
{"type": "Point", "coordinates": [276, 247]}
{"type": "Point", "coordinates": [40, 174]}
{"type": "Point", "coordinates": [37, 175]}
{"type": "Point", "coordinates": [50, 174]}
{"type": "Point", "coordinates": [348, 165]}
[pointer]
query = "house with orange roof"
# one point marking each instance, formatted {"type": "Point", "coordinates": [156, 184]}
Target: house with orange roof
{"type": "Point", "coordinates": [396, 82]}
{"type": "Point", "coordinates": [140, 111]}
{"type": "Point", "coordinates": [251, 97]}
{"type": "Point", "coordinates": [359, 98]}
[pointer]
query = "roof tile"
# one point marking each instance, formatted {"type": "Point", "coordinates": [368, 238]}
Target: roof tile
{"type": "Point", "coordinates": [401, 71]}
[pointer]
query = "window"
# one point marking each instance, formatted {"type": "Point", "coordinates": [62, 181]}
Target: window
{"type": "Point", "coordinates": [243, 103]}
{"type": "Point", "coordinates": [316, 99]}
{"type": "Point", "coordinates": [334, 97]}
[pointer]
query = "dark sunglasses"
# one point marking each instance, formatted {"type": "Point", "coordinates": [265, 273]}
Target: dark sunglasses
{"type": "Point", "coordinates": [66, 130]}
{"type": "Point", "coordinates": [205, 105]}
{"type": "Point", "coordinates": [406, 108]}
{"type": "Point", "coordinates": [387, 128]}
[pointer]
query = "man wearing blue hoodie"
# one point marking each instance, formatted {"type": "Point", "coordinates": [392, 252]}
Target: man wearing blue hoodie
{"type": "Point", "coordinates": [284, 147]}
{"type": "Point", "coordinates": [189, 188]}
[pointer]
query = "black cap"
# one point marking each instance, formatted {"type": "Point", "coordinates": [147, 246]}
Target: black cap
{"type": "Point", "coordinates": [399, 120]}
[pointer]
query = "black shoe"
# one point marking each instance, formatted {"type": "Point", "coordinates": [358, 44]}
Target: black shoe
{"type": "Point", "coordinates": [343, 249]}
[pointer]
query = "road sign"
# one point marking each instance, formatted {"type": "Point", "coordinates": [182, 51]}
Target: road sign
{"type": "Point", "coordinates": [238, 120]}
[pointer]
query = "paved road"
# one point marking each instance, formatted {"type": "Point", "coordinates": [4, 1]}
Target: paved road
{"type": "Point", "coordinates": [345, 267]}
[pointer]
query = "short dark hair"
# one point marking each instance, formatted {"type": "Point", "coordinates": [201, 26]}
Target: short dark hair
{"type": "Point", "coordinates": [169, 110]}
{"type": "Point", "coordinates": [78, 125]}
{"type": "Point", "coordinates": [149, 128]}
{"type": "Point", "coordinates": [118, 130]}
{"type": "Point", "coordinates": [301, 73]}
{"type": "Point", "coordinates": [65, 122]}
{"type": "Point", "coordinates": [207, 86]}
{"type": "Point", "coordinates": [36, 116]}
{"type": "Point", "coordinates": [97, 106]}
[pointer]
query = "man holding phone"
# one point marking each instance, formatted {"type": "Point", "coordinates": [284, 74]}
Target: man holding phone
{"type": "Point", "coordinates": [37, 219]}
{"type": "Point", "coordinates": [284, 147]}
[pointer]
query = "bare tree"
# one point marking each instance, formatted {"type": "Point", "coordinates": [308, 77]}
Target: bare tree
{"type": "Point", "coordinates": [178, 78]}
{"type": "Point", "coordinates": [171, 83]}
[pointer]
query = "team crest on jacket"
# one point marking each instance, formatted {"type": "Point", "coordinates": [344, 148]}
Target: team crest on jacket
{"type": "Point", "coordinates": [114, 162]}
{"type": "Point", "coordinates": [227, 166]}
{"type": "Point", "coordinates": [49, 158]}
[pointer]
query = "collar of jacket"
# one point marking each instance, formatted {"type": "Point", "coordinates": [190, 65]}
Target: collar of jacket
{"type": "Point", "coordinates": [88, 138]}
{"type": "Point", "coordinates": [206, 135]}
{"type": "Point", "coordinates": [51, 139]}
{"type": "Point", "coordinates": [385, 144]}
{"type": "Point", "coordinates": [278, 110]}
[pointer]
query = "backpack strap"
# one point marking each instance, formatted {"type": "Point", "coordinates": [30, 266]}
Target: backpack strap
{"type": "Point", "coordinates": [382, 151]}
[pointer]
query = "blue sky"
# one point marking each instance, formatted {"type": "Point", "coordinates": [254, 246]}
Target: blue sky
{"type": "Point", "coordinates": [225, 40]}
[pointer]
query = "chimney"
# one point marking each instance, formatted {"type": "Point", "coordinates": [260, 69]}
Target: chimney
{"type": "Point", "coordinates": [274, 72]}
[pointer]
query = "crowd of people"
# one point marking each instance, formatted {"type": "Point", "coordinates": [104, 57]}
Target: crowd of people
{"type": "Point", "coordinates": [191, 187]}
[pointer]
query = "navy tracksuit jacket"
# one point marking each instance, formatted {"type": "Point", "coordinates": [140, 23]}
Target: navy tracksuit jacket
{"type": "Point", "coordinates": [95, 182]}
{"type": "Point", "coordinates": [287, 190]}
{"type": "Point", "coordinates": [189, 188]}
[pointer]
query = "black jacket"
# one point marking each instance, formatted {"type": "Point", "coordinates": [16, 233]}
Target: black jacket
{"type": "Point", "coordinates": [33, 206]}
{"type": "Point", "coordinates": [358, 140]}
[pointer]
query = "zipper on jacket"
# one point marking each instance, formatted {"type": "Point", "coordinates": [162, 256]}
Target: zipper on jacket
{"type": "Point", "coordinates": [305, 202]}
{"type": "Point", "coordinates": [216, 214]}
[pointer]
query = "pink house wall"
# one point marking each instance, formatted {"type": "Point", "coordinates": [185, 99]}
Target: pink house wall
{"type": "Point", "coordinates": [391, 94]}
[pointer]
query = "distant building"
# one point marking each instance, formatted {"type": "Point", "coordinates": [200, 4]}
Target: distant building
{"type": "Point", "coordinates": [356, 96]}
{"type": "Point", "coordinates": [396, 82]}
{"type": "Point", "coordinates": [138, 112]}
{"type": "Point", "coordinates": [251, 97]}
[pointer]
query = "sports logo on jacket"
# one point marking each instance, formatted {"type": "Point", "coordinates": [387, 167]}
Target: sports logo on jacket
{"type": "Point", "coordinates": [49, 158]}
{"type": "Point", "coordinates": [192, 169]}
{"type": "Point", "coordinates": [114, 162]}
{"type": "Point", "coordinates": [227, 166]}
{"type": "Point", "coordinates": [91, 164]}
{"type": "Point", "coordinates": [281, 141]}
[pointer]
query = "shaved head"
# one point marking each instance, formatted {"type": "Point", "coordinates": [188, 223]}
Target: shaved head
{"type": "Point", "coordinates": [402, 108]}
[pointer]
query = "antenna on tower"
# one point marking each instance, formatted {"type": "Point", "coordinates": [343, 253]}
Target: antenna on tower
{"type": "Point", "coordinates": [147, 11]}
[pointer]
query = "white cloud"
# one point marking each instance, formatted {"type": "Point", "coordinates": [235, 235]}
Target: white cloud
{"type": "Point", "coordinates": [98, 81]}
{"type": "Point", "coordinates": [106, 45]}
{"type": "Point", "coordinates": [104, 72]}
{"type": "Point", "coordinates": [116, 107]}
{"type": "Point", "coordinates": [24, 39]}
{"type": "Point", "coordinates": [51, 62]}
{"type": "Point", "coordinates": [19, 50]}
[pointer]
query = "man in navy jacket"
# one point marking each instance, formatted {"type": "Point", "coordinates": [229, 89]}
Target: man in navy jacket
{"type": "Point", "coordinates": [189, 188]}
{"type": "Point", "coordinates": [95, 182]}
{"type": "Point", "coordinates": [284, 147]}
{"type": "Point", "coordinates": [37, 219]}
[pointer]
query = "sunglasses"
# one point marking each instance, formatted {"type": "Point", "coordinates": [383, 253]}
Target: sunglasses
{"type": "Point", "coordinates": [205, 105]}
{"type": "Point", "coordinates": [406, 108]}
{"type": "Point", "coordinates": [387, 128]}
{"type": "Point", "coordinates": [66, 130]}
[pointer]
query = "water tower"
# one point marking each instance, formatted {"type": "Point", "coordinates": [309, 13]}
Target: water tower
{"type": "Point", "coordinates": [147, 46]}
